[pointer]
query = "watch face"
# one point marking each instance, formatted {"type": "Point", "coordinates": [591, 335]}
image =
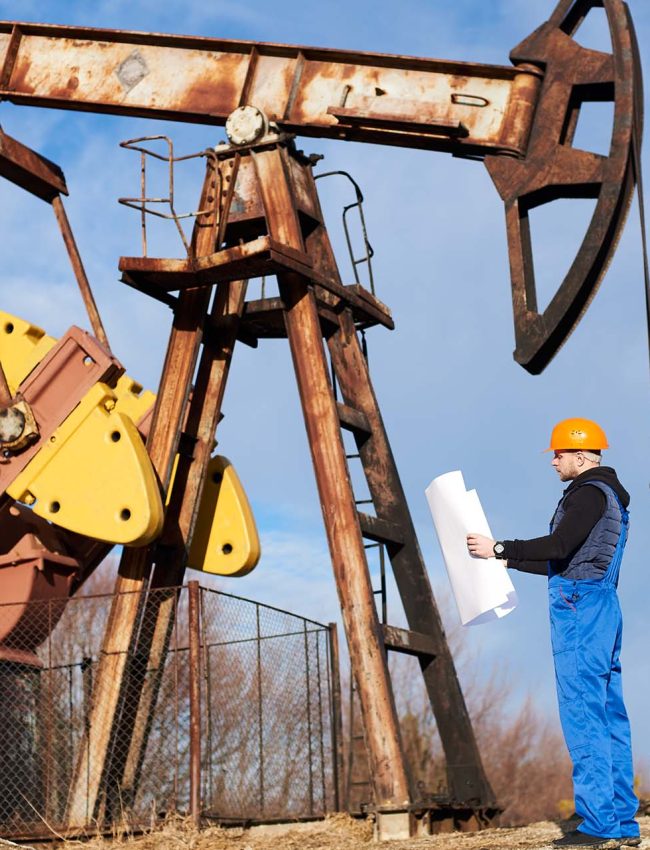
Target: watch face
{"type": "Point", "coordinates": [499, 548]}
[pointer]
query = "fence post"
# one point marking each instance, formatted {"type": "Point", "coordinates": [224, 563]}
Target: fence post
{"type": "Point", "coordinates": [195, 700]}
{"type": "Point", "coordinates": [337, 716]}
{"type": "Point", "coordinates": [260, 709]}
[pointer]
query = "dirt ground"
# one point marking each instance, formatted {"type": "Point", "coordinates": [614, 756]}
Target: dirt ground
{"type": "Point", "coordinates": [338, 832]}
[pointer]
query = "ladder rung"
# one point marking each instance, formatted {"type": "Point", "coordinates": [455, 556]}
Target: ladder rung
{"type": "Point", "coordinates": [380, 530]}
{"type": "Point", "coordinates": [353, 420]}
{"type": "Point", "coordinates": [410, 643]}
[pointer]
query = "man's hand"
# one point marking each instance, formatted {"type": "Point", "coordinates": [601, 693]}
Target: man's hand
{"type": "Point", "coordinates": [480, 546]}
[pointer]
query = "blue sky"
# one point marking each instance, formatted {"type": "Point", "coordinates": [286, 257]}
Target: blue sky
{"type": "Point", "coordinates": [451, 394]}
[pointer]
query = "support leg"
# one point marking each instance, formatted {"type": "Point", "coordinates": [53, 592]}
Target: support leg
{"type": "Point", "coordinates": [346, 544]}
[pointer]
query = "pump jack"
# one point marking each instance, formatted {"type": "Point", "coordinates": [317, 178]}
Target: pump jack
{"type": "Point", "coordinates": [259, 214]}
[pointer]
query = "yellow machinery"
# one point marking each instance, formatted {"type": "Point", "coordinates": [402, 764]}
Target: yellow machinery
{"type": "Point", "coordinates": [94, 477]}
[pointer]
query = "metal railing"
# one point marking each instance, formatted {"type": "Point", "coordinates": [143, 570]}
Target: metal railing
{"type": "Point", "coordinates": [245, 726]}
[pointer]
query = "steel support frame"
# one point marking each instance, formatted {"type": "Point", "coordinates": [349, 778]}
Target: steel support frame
{"type": "Point", "coordinates": [468, 108]}
{"type": "Point", "coordinates": [119, 683]}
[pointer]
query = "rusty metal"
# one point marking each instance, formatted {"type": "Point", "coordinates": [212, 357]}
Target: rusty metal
{"type": "Point", "coordinates": [35, 564]}
{"type": "Point", "coordinates": [145, 203]}
{"type": "Point", "coordinates": [205, 80]}
{"type": "Point", "coordinates": [156, 616]}
{"type": "Point", "coordinates": [467, 779]}
{"type": "Point", "coordinates": [273, 167]}
{"type": "Point", "coordinates": [46, 180]}
{"type": "Point", "coordinates": [337, 501]}
{"type": "Point", "coordinates": [79, 271]}
{"type": "Point", "coordinates": [521, 119]}
{"type": "Point", "coordinates": [55, 386]}
{"type": "Point", "coordinates": [553, 169]}
{"type": "Point", "coordinates": [204, 413]}
{"type": "Point", "coordinates": [30, 170]}
{"type": "Point", "coordinates": [12, 419]}
{"type": "Point", "coordinates": [112, 680]}
{"type": "Point", "coordinates": [194, 632]}
{"type": "Point", "coordinates": [170, 560]}
{"type": "Point", "coordinates": [366, 258]}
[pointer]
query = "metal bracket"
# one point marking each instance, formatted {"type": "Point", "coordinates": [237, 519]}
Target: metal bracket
{"type": "Point", "coordinates": [553, 169]}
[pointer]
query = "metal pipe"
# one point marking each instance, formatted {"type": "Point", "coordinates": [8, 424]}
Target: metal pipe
{"type": "Point", "coordinates": [321, 742]}
{"type": "Point", "coordinates": [260, 711]}
{"type": "Point", "coordinates": [337, 715]}
{"type": "Point", "coordinates": [79, 271]}
{"type": "Point", "coordinates": [194, 636]}
{"type": "Point", "coordinates": [208, 698]}
{"type": "Point", "coordinates": [309, 729]}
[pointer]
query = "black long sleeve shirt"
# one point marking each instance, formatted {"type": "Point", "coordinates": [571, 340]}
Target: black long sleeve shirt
{"type": "Point", "coordinates": [583, 508]}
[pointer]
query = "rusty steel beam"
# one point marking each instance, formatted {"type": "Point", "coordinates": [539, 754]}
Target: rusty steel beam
{"type": "Point", "coordinates": [36, 174]}
{"type": "Point", "coordinates": [170, 557]}
{"type": "Point", "coordinates": [79, 271]}
{"type": "Point", "coordinates": [466, 776]}
{"type": "Point", "coordinates": [29, 170]}
{"type": "Point", "coordinates": [528, 112]}
{"type": "Point", "coordinates": [156, 618]}
{"type": "Point", "coordinates": [467, 779]}
{"type": "Point", "coordinates": [112, 680]}
{"type": "Point", "coordinates": [346, 545]}
{"type": "Point", "coordinates": [467, 108]}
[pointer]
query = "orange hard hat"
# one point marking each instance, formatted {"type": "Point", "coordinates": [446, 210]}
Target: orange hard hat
{"type": "Point", "coordinates": [577, 434]}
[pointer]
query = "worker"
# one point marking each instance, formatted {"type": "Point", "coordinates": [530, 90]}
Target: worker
{"type": "Point", "coordinates": [582, 558]}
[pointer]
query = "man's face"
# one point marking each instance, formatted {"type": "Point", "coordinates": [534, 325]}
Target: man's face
{"type": "Point", "coordinates": [565, 463]}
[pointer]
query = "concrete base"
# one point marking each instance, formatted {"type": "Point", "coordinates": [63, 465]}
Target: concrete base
{"type": "Point", "coordinates": [394, 826]}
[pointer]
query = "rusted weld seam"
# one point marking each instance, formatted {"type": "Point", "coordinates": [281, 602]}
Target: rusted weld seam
{"type": "Point", "coordinates": [295, 85]}
{"type": "Point", "coordinates": [10, 57]}
{"type": "Point", "coordinates": [250, 76]}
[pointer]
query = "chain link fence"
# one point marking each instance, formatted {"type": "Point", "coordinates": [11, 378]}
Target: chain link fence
{"type": "Point", "coordinates": [231, 713]}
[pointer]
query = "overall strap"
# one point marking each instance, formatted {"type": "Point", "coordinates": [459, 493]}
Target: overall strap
{"type": "Point", "coordinates": [614, 568]}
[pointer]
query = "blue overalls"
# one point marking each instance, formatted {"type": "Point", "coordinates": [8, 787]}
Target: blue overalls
{"type": "Point", "coordinates": [586, 629]}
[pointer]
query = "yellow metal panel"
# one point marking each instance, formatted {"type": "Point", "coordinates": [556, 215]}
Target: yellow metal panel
{"type": "Point", "coordinates": [22, 346]}
{"type": "Point", "coordinates": [131, 400]}
{"type": "Point", "coordinates": [225, 538]}
{"type": "Point", "coordinates": [94, 476]}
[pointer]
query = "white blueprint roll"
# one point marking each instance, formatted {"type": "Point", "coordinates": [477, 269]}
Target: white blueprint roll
{"type": "Point", "coordinates": [482, 588]}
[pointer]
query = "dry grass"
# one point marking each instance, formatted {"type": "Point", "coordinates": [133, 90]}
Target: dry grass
{"type": "Point", "coordinates": [337, 832]}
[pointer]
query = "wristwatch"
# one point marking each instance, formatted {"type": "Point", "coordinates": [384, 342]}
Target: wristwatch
{"type": "Point", "coordinates": [498, 549]}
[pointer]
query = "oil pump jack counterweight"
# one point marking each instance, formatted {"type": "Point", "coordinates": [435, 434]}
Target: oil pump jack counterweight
{"type": "Point", "coordinates": [93, 476]}
{"type": "Point", "coordinates": [87, 470]}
